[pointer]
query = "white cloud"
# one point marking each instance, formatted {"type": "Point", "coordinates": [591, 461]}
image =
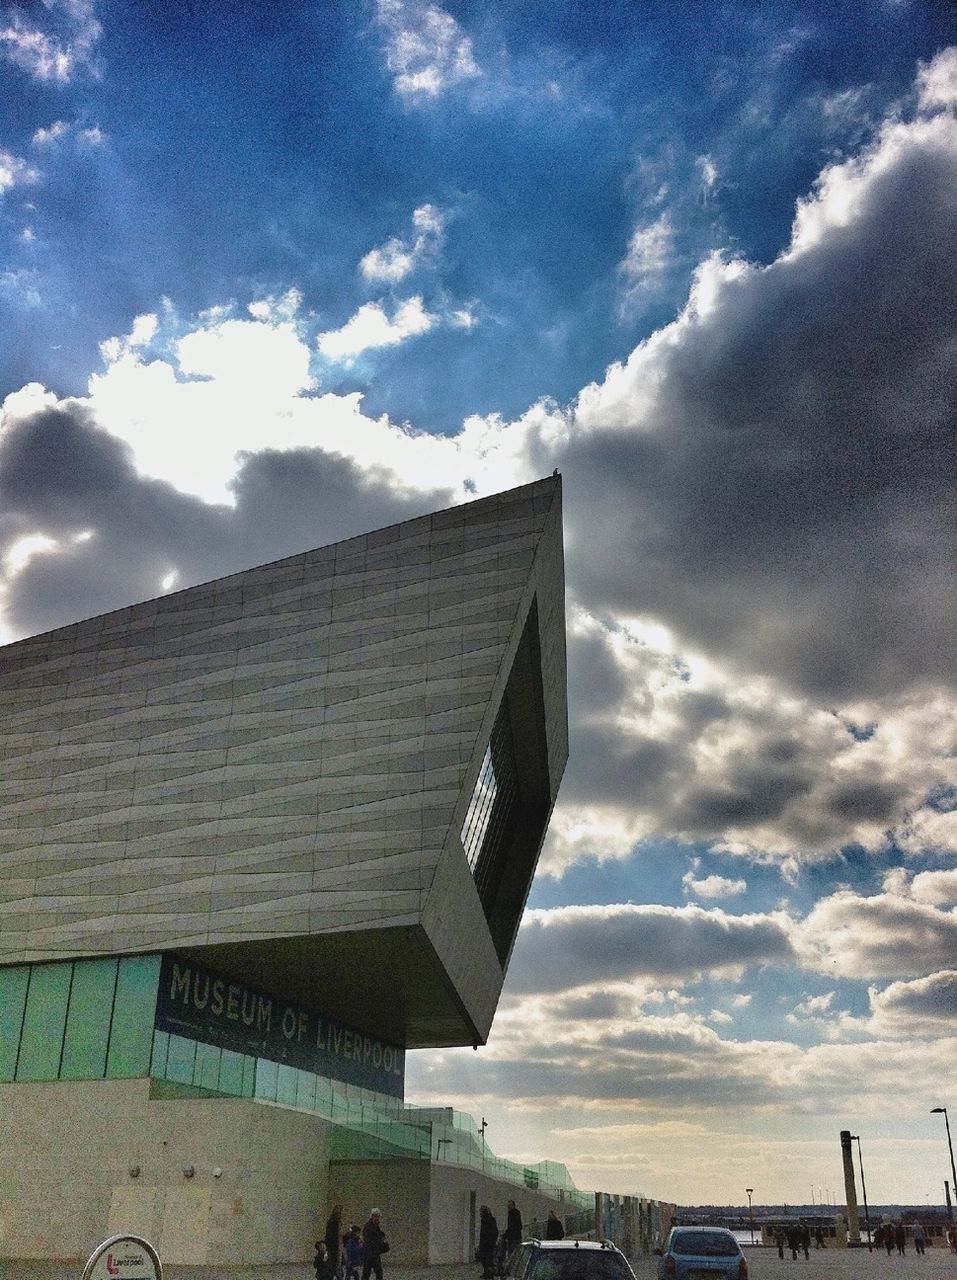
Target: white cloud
{"type": "Point", "coordinates": [937, 81]}
{"type": "Point", "coordinates": [370, 328]}
{"type": "Point", "coordinates": [426, 49]}
{"type": "Point", "coordinates": [883, 936]}
{"type": "Point", "coordinates": [924, 1006]}
{"type": "Point", "coordinates": [650, 252]}
{"type": "Point", "coordinates": [394, 260]}
{"type": "Point", "coordinates": [47, 135]}
{"type": "Point", "coordinates": [713, 886]}
{"type": "Point", "coordinates": [741, 1000]}
{"type": "Point", "coordinates": [53, 57]}
{"type": "Point", "coordinates": [14, 172]}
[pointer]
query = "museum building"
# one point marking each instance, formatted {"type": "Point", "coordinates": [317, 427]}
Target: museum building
{"type": "Point", "coordinates": [259, 838]}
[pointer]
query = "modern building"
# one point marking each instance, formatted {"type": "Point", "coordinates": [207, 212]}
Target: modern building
{"type": "Point", "coordinates": [258, 838]}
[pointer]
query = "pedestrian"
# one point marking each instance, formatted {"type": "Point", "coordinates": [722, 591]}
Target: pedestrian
{"type": "Point", "coordinates": [900, 1238]}
{"type": "Point", "coordinates": [805, 1240]}
{"type": "Point", "coordinates": [374, 1245]}
{"type": "Point", "coordinates": [320, 1263]}
{"type": "Point", "coordinates": [918, 1236]}
{"type": "Point", "coordinates": [513, 1227]}
{"type": "Point", "coordinates": [333, 1238]}
{"type": "Point", "coordinates": [889, 1237]}
{"type": "Point", "coordinates": [779, 1240]}
{"type": "Point", "coordinates": [819, 1237]}
{"type": "Point", "coordinates": [553, 1227]}
{"type": "Point", "coordinates": [952, 1238]}
{"type": "Point", "coordinates": [794, 1241]}
{"type": "Point", "coordinates": [488, 1239]}
{"type": "Point", "coordinates": [352, 1253]}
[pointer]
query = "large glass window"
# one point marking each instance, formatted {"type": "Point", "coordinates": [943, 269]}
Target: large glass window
{"type": "Point", "coordinates": [13, 998]}
{"type": "Point", "coordinates": [88, 1020]}
{"type": "Point", "coordinates": [491, 807]}
{"type": "Point", "coordinates": [41, 1041]}
{"type": "Point", "coordinates": [134, 1010]}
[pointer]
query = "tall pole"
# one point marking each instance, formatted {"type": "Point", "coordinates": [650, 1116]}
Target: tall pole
{"type": "Point", "coordinates": [936, 1111]}
{"type": "Point", "coordinates": [750, 1191]}
{"type": "Point", "coordinates": [867, 1217]}
{"type": "Point", "coordinates": [850, 1191]}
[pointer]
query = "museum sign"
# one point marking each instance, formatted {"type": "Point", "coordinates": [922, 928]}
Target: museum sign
{"type": "Point", "coordinates": [203, 1005]}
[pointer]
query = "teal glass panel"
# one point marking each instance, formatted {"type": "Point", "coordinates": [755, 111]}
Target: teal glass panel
{"type": "Point", "coordinates": [206, 1069]}
{"type": "Point", "coordinates": [286, 1087]}
{"type": "Point", "coordinates": [160, 1054]}
{"type": "Point", "coordinates": [267, 1076]}
{"type": "Point", "coordinates": [231, 1073]}
{"type": "Point", "coordinates": [134, 1012]}
{"type": "Point", "coordinates": [13, 999]}
{"type": "Point", "coordinates": [88, 1020]}
{"type": "Point", "coordinates": [249, 1076]}
{"type": "Point", "coordinates": [41, 1041]}
{"type": "Point", "coordinates": [306, 1091]}
{"type": "Point", "coordinates": [181, 1059]}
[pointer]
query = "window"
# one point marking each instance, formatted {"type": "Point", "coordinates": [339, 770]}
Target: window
{"type": "Point", "coordinates": [13, 999]}
{"type": "Point", "coordinates": [134, 1011]}
{"type": "Point", "coordinates": [491, 806]}
{"type": "Point", "coordinates": [41, 1041]}
{"type": "Point", "coordinates": [88, 1020]}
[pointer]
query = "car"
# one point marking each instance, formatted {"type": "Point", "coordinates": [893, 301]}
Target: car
{"type": "Point", "coordinates": [701, 1253]}
{"type": "Point", "coordinates": [568, 1260]}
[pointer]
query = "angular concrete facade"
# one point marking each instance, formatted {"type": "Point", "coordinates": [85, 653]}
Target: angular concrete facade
{"type": "Point", "coordinates": [269, 774]}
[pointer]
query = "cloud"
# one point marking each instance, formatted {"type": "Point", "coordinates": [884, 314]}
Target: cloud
{"type": "Point", "coordinates": [579, 946]}
{"type": "Point", "coordinates": [53, 57]}
{"type": "Point", "coordinates": [713, 886]}
{"type": "Point", "coordinates": [49, 135]}
{"type": "Point", "coordinates": [370, 328]}
{"type": "Point", "coordinates": [883, 936]}
{"type": "Point", "coordinates": [426, 50]}
{"type": "Point", "coordinates": [394, 260]}
{"type": "Point", "coordinates": [14, 172]}
{"type": "Point", "coordinates": [650, 252]}
{"type": "Point", "coordinates": [924, 1006]}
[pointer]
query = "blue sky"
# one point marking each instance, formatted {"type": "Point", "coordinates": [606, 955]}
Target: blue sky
{"type": "Point", "coordinates": [274, 274]}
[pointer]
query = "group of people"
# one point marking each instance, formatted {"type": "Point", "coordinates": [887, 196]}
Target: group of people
{"type": "Point", "coordinates": [797, 1237]}
{"type": "Point", "coordinates": [891, 1235]}
{"type": "Point", "coordinates": [495, 1247]}
{"type": "Point", "coordinates": [344, 1253]}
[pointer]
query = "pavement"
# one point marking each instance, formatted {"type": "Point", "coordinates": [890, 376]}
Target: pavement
{"type": "Point", "coordinates": [763, 1264]}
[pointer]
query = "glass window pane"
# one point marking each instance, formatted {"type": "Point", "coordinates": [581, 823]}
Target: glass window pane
{"type": "Point", "coordinates": [231, 1073]}
{"type": "Point", "coordinates": [306, 1091]}
{"type": "Point", "coordinates": [160, 1054]}
{"type": "Point", "coordinates": [13, 999]}
{"type": "Point", "coordinates": [267, 1075]}
{"type": "Point", "coordinates": [181, 1059]}
{"type": "Point", "coordinates": [206, 1070]}
{"type": "Point", "coordinates": [41, 1041]}
{"type": "Point", "coordinates": [88, 1020]}
{"type": "Point", "coordinates": [249, 1076]}
{"type": "Point", "coordinates": [286, 1090]}
{"type": "Point", "coordinates": [134, 1012]}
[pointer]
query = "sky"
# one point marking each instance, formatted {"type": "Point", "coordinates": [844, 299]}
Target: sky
{"type": "Point", "coordinates": [272, 275]}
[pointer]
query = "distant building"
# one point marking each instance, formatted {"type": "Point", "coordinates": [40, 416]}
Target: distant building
{"type": "Point", "coordinates": [259, 838]}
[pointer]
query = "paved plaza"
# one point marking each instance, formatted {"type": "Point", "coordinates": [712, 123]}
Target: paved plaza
{"type": "Point", "coordinates": [764, 1264]}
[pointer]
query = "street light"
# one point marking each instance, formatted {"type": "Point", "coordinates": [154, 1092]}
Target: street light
{"type": "Point", "coordinates": [750, 1193]}
{"type": "Point", "coordinates": [855, 1137]}
{"type": "Point", "coordinates": [938, 1111]}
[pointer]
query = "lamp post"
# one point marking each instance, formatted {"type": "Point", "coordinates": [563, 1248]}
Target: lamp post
{"type": "Point", "coordinates": [482, 1127]}
{"type": "Point", "coordinates": [750, 1193]}
{"type": "Point", "coordinates": [937, 1111]}
{"type": "Point", "coordinates": [856, 1137]}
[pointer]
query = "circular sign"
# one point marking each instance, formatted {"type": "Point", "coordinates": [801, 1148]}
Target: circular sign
{"type": "Point", "coordinates": [124, 1258]}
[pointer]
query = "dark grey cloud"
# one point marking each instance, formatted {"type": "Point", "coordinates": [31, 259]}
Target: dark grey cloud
{"type": "Point", "coordinates": [926, 1003]}
{"type": "Point", "coordinates": [787, 501]}
{"type": "Point", "coordinates": [63, 475]}
{"type": "Point", "coordinates": [883, 936]}
{"type": "Point", "coordinates": [578, 946]}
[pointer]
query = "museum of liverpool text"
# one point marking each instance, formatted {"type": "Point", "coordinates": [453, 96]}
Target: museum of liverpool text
{"type": "Point", "coordinates": [258, 838]}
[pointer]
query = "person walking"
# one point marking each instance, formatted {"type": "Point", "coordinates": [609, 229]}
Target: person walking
{"type": "Point", "coordinates": [779, 1240]}
{"type": "Point", "coordinates": [488, 1238]}
{"type": "Point", "coordinates": [374, 1245]}
{"type": "Point", "coordinates": [553, 1227]}
{"type": "Point", "coordinates": [352, 1253]}
{"type": "Point", "coordinates": [513, 1227]}
{"type": "Point", "coordinates": [918, 1237]}
{"type": "Point", "coordinates": [333, 1240]}
{"type": "Point", "coordinates": [819, 1237]}
{"type": "Point", "coordinates": [900, 1238]}
{"type": "Point", "coordinates": [804, 1232]}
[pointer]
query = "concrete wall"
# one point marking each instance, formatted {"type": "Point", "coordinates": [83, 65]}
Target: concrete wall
{"type": "Point", "coordinates": [67, 1148]}
{"type": "Point", "coordinates": [429, 1213]}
